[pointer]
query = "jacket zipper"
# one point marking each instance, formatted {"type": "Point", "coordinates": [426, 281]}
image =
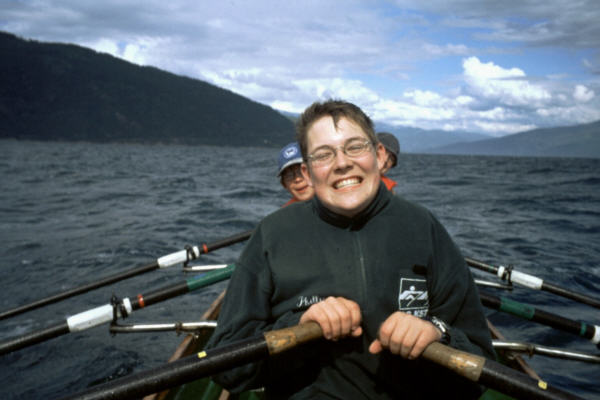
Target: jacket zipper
{"type": "Point", "coordinates": [363, 272]}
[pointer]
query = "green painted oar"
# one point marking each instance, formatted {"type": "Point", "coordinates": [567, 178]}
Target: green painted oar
{"type": "Point", "coordinates": [588, 331]}
{"type": "Point", "coordinates": [210, 362]}
{"type": "Point", "coordinates": [108, 312]}
{"type": "Point", "coordinates": [509, 274]}
{"type": "Point", "coordinates": [163, 262]}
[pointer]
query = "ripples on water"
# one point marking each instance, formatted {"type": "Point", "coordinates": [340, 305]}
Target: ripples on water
{"type": "Point", "coordinates": [73, 212]}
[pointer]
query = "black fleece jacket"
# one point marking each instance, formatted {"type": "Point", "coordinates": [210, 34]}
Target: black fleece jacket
{"type": "Point", "coordinates": [393, 256]}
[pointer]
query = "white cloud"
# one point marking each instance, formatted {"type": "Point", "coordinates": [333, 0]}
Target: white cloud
{"type": "Point", "coordinates": [351, 90]}
{"type": "Point", "coordinates": [448, 49]}
{"type": "Point", "coordinates": [424, 97]}
{"type": "Point", "coordinates": [285, 106]}
{"type": "Point", "coordinates": [104, 45]}
{"type": "Point", "coordinates": [583, 94]}
{"type": "Point", "coordinates": [507, 86]}
{"type": "Point", "coordinates": [499, 128]}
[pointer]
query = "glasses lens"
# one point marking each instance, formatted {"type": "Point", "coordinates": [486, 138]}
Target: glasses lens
{"type": "Point", "coordinates": [356, 147]}
{"type": "Point", "coordinates": [322, 156]}
{"type": "Point", "coordinates": [290, 173]}
{"type": "Point", "coordinates": [353, 148]}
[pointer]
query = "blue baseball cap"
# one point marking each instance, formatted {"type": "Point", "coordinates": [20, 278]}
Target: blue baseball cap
{"type": "Point", "coordinates": [289, 155]}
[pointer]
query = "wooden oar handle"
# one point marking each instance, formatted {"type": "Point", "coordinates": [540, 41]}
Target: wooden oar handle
{"type": "Point", "coordinates": [287, 338]}
{"type": "Point", "coordinates": [464, 364]}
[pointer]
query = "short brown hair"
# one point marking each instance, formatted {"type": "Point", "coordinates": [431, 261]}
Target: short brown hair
{"type": "Point", "coordinates": [336, 109]}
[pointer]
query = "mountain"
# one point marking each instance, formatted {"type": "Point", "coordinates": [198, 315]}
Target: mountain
{"type": "Point", "coordinates": [54, 91]}
{"type": "Point", "coordinates": [568, 141]}
{"type": "Point", "coordinates": [416, 140]}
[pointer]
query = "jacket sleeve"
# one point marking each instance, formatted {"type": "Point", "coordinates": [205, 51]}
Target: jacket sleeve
{"type": "Point", "coordinates": [454, 297]}
{"type": "Point", "coordinates": [246, 313]}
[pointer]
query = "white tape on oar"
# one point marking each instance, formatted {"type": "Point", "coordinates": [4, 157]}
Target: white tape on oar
{"type": "Point", "coordinates": [95, 316]}
{"type": "Point", "coordinates": [596, 338]}
{"type": "Point", "coordinates": [510, 275]}
{"type": "Point", "coordinates": [501, 271]}
{"type": "Point", "coordinates": [178, 257]}
{"type": "Point", "coordinates": [526, 280]}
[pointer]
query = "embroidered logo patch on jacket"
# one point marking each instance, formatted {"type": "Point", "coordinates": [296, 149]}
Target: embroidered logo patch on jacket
{"type": "Point", "coordinates": [307, 301]}
{"type": "Point", "coordinates": [412, 297]}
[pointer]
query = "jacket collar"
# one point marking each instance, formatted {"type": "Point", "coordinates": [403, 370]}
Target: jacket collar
{"type": "Point", "coordinates": [382, 198]}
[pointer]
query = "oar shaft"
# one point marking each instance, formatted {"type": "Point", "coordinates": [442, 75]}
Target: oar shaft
{"type": "Point", "coordinates": [532, 348]}
{"type": "Point", "coordinates": [162, 262]}
{"type": "Point", "coordinates": [519, 385]}
{"type": "Point", "coordinates": [588, 331]}
{"type": "Point", "coordinates": [210, 362]}
{"type": "Point", "coordinates": [240, 237]}
{"type": "Point", "coordinates": [79, 290]}
{"type": "Point", "coordinates": [178, 372]}
{"type": "Point", "coordinates": [104, 314]}
{"type": "Point", "coordinates": [178, 289]}
{"type": "Point", "coordinates": [532, 282]}
{"type": "Point", "coordinates": [205, 363]}
{"type": "Point", "coordinates": [33, 338]}
{"type": "Point", "coordinates": [492, 374]}
{"type": "Point", "coordinates": [581, 298]}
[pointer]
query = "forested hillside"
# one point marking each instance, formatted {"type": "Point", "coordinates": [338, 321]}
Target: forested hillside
{"type": "Point", "coordinates": [66, 92]}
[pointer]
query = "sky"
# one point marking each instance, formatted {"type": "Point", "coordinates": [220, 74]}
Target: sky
{"type": "Point", "coordinates": [486, 66]}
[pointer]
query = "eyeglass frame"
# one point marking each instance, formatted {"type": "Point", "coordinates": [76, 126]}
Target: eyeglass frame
{"type": "Point", "coordinates": [289, 174]}
{"type": "Point", "coordinates": [335, 149]}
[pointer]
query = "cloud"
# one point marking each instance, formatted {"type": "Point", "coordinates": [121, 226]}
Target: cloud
{"type": "Point", "coordinates": [448, 49]}
{"type": "Point", "coordinates": [506, 86]}
{"type": "Point", "coordinates": [404, 62]}
{"type": "Point", "coordinates": [583, 94]}
{"type": "Point", "coordinates": [550, 23]}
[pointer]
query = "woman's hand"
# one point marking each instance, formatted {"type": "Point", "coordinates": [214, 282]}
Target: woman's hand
{"type": "Point", "coordinates": [405, 335]}
{"type": "Point", "coordinates": [337, 316]}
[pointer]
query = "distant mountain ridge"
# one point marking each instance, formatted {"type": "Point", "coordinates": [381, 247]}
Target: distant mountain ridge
{"type": "Point", "coordinates": [568, 141]}
{"type": "Point", "coordinates": [54, 91]}
{"type": "Point", "coordinates": [417, 140]}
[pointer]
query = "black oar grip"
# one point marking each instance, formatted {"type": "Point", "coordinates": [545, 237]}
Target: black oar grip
{"type": "Point", "coordinates": [284, 339]}
{"type": "Point", "coordinates": [464, 364]}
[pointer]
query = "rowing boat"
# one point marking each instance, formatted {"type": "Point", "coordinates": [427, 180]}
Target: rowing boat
{"type": "Point", "coordinates": [206, 389]}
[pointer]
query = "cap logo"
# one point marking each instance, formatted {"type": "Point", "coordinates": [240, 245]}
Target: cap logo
{"type": "Point", "coordinates": [291, 152]}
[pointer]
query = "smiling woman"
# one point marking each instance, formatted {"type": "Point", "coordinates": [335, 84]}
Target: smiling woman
{"type": "Point", "coordinates": [345, 181]}
{"type": "Point", "coordinates": [353, 247]}
{"type": "Point", "coordinates": [343, 156]}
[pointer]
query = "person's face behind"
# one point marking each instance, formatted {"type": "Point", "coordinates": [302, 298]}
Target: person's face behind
{"type": "Point", "coordinates": [389, 162]}
{"type": "Point", "coordinates": [347, 185]}
{"type": "Point", "coordinates": [294, 182]}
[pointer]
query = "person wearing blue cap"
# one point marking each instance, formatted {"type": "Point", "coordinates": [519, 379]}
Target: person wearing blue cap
{"type": "Point", "coordinates": [290, 175]}
{"type": "Point", "coordinates": [392, 148]}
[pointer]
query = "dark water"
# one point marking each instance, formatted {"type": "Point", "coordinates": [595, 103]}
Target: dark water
{"type": "Point", "coordinates": [71, 213]}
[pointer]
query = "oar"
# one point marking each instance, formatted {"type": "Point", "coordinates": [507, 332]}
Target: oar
{"type": "Point", "coordinates": [162, 262]}
{"type": "Point", "coordinates": [588, 331]}
{"type": "Point", "coordinates": [175, 326]}
{"type": "Point", "coordinates": [511, 275]}
{"type": "Point", "coordinates": [493, 374]}
{"type": "Point", "coordinates": [210, 362]}
{"type": "Point", "coordinates": [496, 285]}
{"type": "Point", "coordinates": [109, 312]}
{"type": "Point", "coordinates": [532, 348]}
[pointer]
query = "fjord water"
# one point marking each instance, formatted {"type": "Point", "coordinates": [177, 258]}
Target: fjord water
{"type": "Point", "coordinates": [71, 213]}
